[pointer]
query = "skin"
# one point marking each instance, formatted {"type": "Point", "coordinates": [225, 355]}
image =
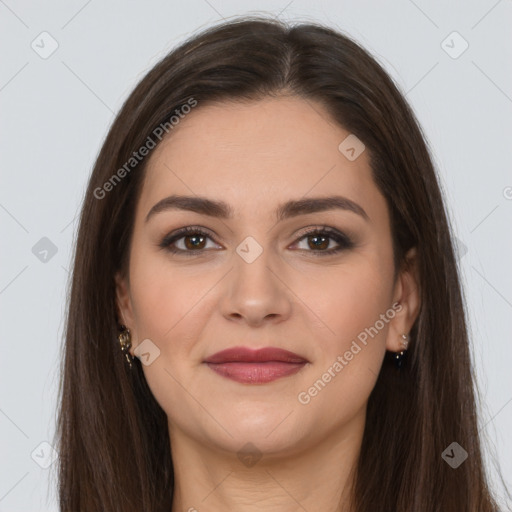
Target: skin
{"type": "Point", "coordinates": [255, 156]}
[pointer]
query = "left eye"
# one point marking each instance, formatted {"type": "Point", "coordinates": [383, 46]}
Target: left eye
{"type": "Point", "coordinates": [194, 240]}
{"type": "Point", "coordinates": [318, 239]}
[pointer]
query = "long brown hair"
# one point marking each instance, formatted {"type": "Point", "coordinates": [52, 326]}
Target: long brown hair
{"type": "Point", "coordinates": [112, 434]}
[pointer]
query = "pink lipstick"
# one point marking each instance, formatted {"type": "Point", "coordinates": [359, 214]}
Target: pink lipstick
{"type": "Point", "coordinates": [251, 366]}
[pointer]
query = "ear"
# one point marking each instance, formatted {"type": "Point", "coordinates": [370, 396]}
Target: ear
{"type": "Point", "coordinates": [407, 294]}
{"type": "Point", "coordinates": [124, 303]}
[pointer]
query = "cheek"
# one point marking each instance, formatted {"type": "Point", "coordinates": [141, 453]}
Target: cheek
{"type": "Point", "coordinates": [169, 309]}
{"type": "Point", "coordinates": [348, 362]}
{"type": "Point", "coordinates": [356, 307]}
{"type": "Point", "coordinates": [353, 300]}
{"type": "Point", "coordinates": [166, 300]}
{"type": "Point", "coordinates": [173, 305]}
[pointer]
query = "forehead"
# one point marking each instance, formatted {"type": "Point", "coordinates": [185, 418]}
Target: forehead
{"type": "Point", "coordinates": [256, 154]}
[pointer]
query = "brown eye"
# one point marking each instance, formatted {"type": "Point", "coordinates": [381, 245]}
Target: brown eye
{"type": "Point", "coordinates": [188, 241]}
{"type": "Point", "coordinates": [318, 241]}
{"type": "Point", "coordinates": [194, 241]}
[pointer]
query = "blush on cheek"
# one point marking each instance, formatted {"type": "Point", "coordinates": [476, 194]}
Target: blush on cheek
{"type": "Point", "coordinates": [363, 326]}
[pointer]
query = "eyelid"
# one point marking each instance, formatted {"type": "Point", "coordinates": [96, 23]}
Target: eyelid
{"type": "Point", "coordinates": [318, 227]}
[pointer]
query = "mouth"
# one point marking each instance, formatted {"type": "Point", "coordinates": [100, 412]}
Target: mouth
{"type": "Point", "coordinates": [250, 366]}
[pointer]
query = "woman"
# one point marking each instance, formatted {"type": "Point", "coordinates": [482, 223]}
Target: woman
{"type": "Point", "coordinates": [265, 311]}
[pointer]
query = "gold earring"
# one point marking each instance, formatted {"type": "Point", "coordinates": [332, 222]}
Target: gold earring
{"type": "Point", "coordinates": [125, 340]}
{"type": "Point", "coordinates": [399, 356]}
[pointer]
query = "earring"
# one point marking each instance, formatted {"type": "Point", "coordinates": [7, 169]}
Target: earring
{"type": "Point", "coordinates": [125, 341]}
{"type": "Point", "coordinates": [399, 356]}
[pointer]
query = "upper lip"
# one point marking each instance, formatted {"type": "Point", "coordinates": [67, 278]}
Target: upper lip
{"type": "Point", "coordinates": [248, 355]}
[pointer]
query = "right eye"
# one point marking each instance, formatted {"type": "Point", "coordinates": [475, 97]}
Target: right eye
{"type": "Point", "coordinates": [193, 241]}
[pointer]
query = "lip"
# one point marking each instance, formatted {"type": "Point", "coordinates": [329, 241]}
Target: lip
{"type": "Point", "coordinates": [249, 355]}
{"type": "Point", "coordinates": [250, 366]}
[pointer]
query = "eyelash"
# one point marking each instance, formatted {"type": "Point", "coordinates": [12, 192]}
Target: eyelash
{"type": "Point", "coordinates": [343, 240]}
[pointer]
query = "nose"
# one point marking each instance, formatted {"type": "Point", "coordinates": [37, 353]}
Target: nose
{"type": "Point", "coordinates": [256, 293]}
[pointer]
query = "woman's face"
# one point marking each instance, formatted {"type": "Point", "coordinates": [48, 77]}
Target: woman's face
{"type": "Point", "coordinates": [257, 279]}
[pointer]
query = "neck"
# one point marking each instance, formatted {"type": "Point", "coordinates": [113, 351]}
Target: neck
{"type": "Point", "coordinates": [317, 478]}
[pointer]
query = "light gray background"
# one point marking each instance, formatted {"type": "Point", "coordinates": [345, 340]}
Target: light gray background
{"type": "Point", "coordinates": [56, 113]}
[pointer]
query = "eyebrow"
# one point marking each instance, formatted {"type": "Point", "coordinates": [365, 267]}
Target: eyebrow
{"type": "Point", "coordinates": [222, 210]}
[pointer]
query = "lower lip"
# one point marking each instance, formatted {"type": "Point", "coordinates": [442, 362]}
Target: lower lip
{"type": "Point", "coordinates": [255, 373]}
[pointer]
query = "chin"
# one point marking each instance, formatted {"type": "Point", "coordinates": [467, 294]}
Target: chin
{"type": "Point", "coordinates": [268, 433]}
{"type": "Point", "coordinates": [257, 443]}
